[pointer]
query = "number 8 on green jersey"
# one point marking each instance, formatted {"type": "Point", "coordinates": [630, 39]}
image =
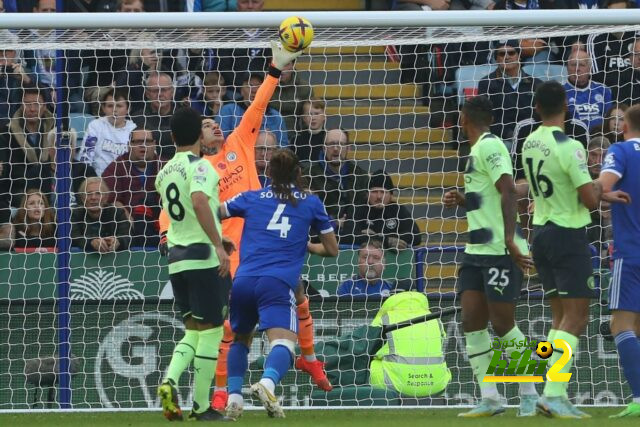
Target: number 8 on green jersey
{"type": "Point", "coordinates": [183, 175]}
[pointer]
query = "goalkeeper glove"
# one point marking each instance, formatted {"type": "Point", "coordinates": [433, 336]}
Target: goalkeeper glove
{"type": "Point", "coordinates": [163, 246]}
{"type": "Point", "coordinates": [282, 57]}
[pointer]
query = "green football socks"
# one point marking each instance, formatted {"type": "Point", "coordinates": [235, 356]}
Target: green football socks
{"type": "Point", "coordinates": [559, 389]}
{"type": "Point", "coordinates": [182, 356]}
{"type": "Point", "coordinates": [516, 335]}
{"type": "Point", "coordinates": [479, 352]}
{"type": "Point", "coordinates": [204, 363]}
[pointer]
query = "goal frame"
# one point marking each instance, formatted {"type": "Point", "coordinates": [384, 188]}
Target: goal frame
{"type": "Point", "coordinates": [61, 22]}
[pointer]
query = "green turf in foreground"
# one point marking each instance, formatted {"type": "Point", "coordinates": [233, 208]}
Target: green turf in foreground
{"type": "Point", "coordinates": [327, 417]}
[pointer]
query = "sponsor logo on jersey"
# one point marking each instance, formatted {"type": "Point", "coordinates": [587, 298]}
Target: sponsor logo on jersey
{"type": "Point", "coordinates": [588, 109]}
{"type": "Point", "coordinates": [580, 155]}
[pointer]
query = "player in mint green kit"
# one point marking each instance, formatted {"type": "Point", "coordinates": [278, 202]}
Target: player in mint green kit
{"type": "Point", "coordinates": [198, 264]}
{"type": "Point", "coordinates": [563, 193]}
{"type": "Point", "coordinates": [490, 277]}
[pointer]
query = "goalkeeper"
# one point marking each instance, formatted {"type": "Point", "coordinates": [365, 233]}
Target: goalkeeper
{"type": "Point", "coordinates": [489, 279]}
{"type": "Point", "coordinates": [234, 160]}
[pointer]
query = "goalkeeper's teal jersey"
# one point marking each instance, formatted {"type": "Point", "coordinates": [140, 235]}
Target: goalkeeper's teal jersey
{"type": "Point", "coordinates": [488, 161]}
{"type": "Point", "coordinates": [182, 176]}
{"type": "Point", "coordinates": [555, 166]}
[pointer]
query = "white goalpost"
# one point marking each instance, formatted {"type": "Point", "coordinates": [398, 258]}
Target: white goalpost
{"type": "Point", "coordinates": [86, 329]}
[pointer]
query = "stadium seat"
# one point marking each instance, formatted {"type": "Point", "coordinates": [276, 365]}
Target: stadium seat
{"type": "Point", "coordinates": [468, 77]}
{"type": "Point", "coordinates": [546, 71]}
{"type": "Point", "coordinates": [79, 122]}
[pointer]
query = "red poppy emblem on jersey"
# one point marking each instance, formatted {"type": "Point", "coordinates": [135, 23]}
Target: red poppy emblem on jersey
{"type": "Point", "coordinates": [222, 166]}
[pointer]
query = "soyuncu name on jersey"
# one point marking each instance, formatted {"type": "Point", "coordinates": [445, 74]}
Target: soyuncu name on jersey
{"type": "Point", "coordinates": [270, 195]}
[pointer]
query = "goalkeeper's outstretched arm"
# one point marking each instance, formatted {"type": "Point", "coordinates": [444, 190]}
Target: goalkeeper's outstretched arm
{"type": "Point", "coordinates": [252, 118]}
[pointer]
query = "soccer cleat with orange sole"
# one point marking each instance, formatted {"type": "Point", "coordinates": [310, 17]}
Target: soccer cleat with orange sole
{"type": "Point", "coordinates": [316, 370]}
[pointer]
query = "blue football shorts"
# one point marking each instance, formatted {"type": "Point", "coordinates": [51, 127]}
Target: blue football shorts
{"type": "Point", "coordinates": [624, 290]}
{"type": "Point", "coordinates": [263, 300]}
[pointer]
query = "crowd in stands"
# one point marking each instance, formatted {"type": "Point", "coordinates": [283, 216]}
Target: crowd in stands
{"type": "Point", "coordinates": [131, 95]}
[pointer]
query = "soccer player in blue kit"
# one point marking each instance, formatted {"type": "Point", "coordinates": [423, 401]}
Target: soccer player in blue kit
{"type": "Point", "coordinates": [620, 172]}
{"type": "Point", "coordinates": [274, 242]}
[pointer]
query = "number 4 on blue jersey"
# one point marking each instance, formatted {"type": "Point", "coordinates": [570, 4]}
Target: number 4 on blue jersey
{"type": "Point", "coordinates": [276, 233]}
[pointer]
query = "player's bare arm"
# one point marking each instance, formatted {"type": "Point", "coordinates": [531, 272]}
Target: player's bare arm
{"type": "Point", "coordinates": [205, 218]}
{"type": "Point", "coordinates": [590, 194]}
{"type": "Point", "coordinates": [328, 246]}
{"type": "Point", "coordinates": [508, 203]}
{"type": "Point", "coordinates": [607, 180]}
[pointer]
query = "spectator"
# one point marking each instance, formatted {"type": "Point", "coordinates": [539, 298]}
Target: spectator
{"type": "Point", "coordinates": [613, 125]}
{"type": "Point", "coordinates": [233, 64]}
{"type": "Point", "coordinates": [291, 90]}
{"type": "Point", "coordinates": [231, 114]}
{"type": "Point", "coordinates": [340, 183]}
{"type": "Point", "coordinates": [97, 225]}
{"type": "Point", "coordinates": [132, 178]}
{"type": "Point", "coordinates": [587, 100]}
{"type": "Point", "coordinates": [308, 141]}
{"type": "Point", "coordinates": [131, 6]}
{"type": "Point", "coordinates": [610, 52]}
{"type": "Point", "coordinates": [13, 76]}
{"type": "Point", "coordinates": [213, 96]}
{"type": "Point", "coordinates": [159, 94]}
{"type": "Point", "coordinates": [531, 50]}
{"type": "Point", "coordinates": [627, 88]}
{"type": "Point", "coordinates": [141, 63]}
{"type": "Point", "coordinates": [34, 225]}
{"type": "Point", "coordinates": [43, 62]}
{"type": "Point", "coordinates": [382, 218]}
{"type": "Point", "coordinates": [370, 268]}
{"type": "Point", "coordinates": [44, 6]}
{"type": "Point", "coordinates": [27, 147]}
{"type": "Point", "coordinates": [12, 6]}
{"type": "Point", "coordinates": [509, 89]}
{"type": "Point", "coordinates": [107, 137]}
{"type": "Point", "coordinates": [598, 146]}
{"type": "Point", "coordinates": [265, 145]}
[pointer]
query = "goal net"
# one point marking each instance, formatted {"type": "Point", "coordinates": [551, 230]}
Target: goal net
{"type": "Point", "coordinates": [87, 314]}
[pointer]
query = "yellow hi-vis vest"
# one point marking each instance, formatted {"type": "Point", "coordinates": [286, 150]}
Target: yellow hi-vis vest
{"type": "Point", "coordinates": [411, 361]}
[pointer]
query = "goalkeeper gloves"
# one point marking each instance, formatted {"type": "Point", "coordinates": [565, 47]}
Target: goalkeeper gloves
{"type": "Point", "coordinates": [282, 57]}
{"type": "Point", "coordinates": [163, 247]}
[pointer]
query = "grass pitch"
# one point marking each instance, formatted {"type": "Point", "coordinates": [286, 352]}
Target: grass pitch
{"type": "Point", "coordinates": [327, 417]}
